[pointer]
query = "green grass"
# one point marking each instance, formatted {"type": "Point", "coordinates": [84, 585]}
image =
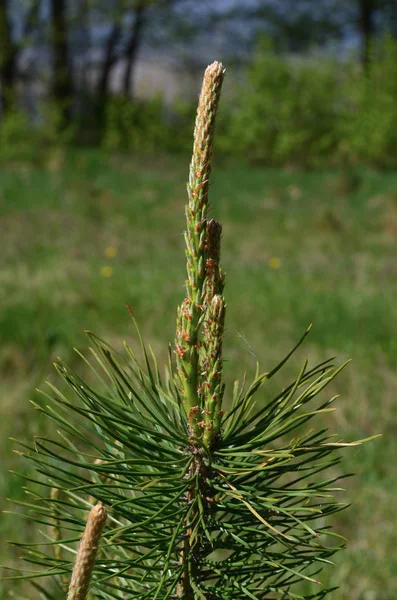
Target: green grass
{"type": "Point", "coordinates": [299, 248]}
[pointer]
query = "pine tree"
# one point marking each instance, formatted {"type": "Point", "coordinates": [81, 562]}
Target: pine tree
{"type": "Point", "coordinates": [177, 496]}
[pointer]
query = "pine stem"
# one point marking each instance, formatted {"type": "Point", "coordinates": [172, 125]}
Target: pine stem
{"type": "Point", "coordinates": [86, 554]}
{"type": "Point", "coordinates": [191, 313]}
{"type": "Point", "coordinates": [199, 359]}
{"type": "Point", "coordinates": [194, 545]}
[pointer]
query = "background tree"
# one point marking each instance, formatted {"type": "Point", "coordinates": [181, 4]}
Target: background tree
{"type": "Point", "coordinates": [298, 26]}
{"type": "Point", "coordinates": [133, 44]}
{"type": "Point", "coordinates": [366, 22]}
{"type": "Point", "coordinates": [8, 54]}
{"type": "Point", "coordinates": [84, 40]}
{"type": "Point", "coordinates": [13, 40]}
{"type": "Point", "coordinates": [62, 86]}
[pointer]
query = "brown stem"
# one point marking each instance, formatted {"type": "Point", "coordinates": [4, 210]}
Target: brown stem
{"type": "Point", "coordinates": [86, 555]}
{"type": "Point", "coordinates": [192, 549]}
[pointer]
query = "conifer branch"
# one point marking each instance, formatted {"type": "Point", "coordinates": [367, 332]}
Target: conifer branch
{"type": "Point", "coordinates": [199, 358]}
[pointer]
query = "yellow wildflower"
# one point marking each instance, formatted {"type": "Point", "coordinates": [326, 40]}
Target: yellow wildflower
{"type": "Point", "coordinates": [111, 251]}
{"type": "Point", "coordinates": [106, 271]}
{"type": "Point", "coordinates": [274, 262]}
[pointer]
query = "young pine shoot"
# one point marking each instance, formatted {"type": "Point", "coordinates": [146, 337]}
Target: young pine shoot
{"type": "Point", "coordinates": [164, 487]}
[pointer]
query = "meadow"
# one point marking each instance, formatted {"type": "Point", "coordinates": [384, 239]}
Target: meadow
{"type": "Point", "coordinates": [87, 233]}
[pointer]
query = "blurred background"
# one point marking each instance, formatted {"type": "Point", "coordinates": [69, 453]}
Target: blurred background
{"type": "Point", "coordinates": [97, 108]}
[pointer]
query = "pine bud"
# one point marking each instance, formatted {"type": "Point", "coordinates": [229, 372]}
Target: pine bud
{"type": "Point", "coordinates": [187, 341]}
{"type": "Point", "coordinates": [204, 134]}
{"type": "Point", "coordinates": [86, 554]}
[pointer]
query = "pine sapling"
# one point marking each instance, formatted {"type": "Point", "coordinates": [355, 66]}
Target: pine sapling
{"type": "Point", "coordinates": [187, 498]}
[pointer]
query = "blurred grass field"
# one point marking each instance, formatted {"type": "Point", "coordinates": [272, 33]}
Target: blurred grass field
{"type": "Point", "coordinates": [88, 233]}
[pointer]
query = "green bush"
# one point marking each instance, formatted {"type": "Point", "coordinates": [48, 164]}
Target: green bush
{"type": "Point", "coordinates": [315, 112]}
{"type": "Point", "coordinates": [368, 133]}
{"type": "Point", "coordinates": [24, 142]}
{"type": "Point", "coordinates": [136, 126]}
{"type": "Point", "coordinates": [13, 146]}
{"type": "Point", "coordinates": [304, 112]}
{"type": "Point", "coordinates": [286, 111]}
{"type": "Point", "coordinates": [131, 126]}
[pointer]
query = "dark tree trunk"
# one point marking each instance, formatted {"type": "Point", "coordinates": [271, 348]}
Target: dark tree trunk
{"type": "Point", "coordinates": [108, 62]}
{"type": "Point", "coordinates": [367, 28]}
{"type": "Point", "coordinates": [132, 49]}
{"type": "Point", "coordinates": [85, 43]}
{"type": "Point", "coordinates": [393, 19]}
{"type": "Point", "coordinates": [62, 88]}
{"type": "Point", "coordinates": [8, 56]}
